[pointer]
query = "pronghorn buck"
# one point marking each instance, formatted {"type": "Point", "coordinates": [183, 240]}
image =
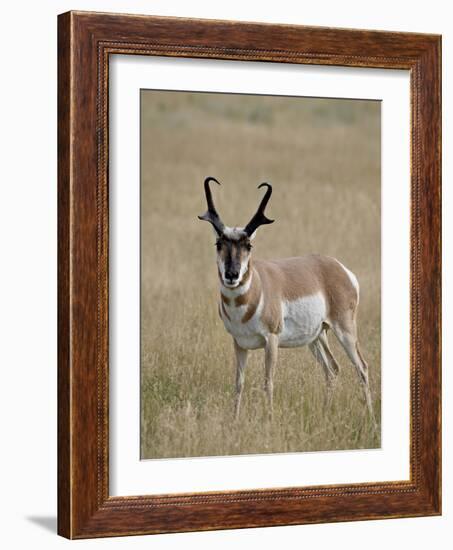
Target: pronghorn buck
{"type": "Point", "coordinates": [289, 302]}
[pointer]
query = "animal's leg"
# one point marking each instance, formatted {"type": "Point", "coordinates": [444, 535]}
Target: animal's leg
{"type": "Point", "coordinates": [320, 354]}
{"type": "Point", "coordinates": [334, 366]}
{"type": "Point", "coordinates": [347, 336]}
{"type": "Point", "coordinates": [241, 362]}
{"type": "Point", "coordinates": [271, 354]}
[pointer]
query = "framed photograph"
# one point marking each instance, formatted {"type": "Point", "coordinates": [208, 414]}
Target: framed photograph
{"type": "Point", "coordinates": [279, 364]}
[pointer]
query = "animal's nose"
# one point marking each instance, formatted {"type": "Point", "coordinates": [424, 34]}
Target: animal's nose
{"type": "Point", "coordinates": [232, 275]}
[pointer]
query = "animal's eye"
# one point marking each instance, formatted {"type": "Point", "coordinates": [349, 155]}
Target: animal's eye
{"type": "Point", "coordinates": [218, 245]}
{"type": "Point", "coordinates": [248, 246]}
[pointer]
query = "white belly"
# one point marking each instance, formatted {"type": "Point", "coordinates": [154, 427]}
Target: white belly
{"type": "Point", "coordinates": [302, 320]}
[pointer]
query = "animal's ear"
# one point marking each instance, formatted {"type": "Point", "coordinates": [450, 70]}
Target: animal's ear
{"type": "Point", "coordinates": [253, 235]}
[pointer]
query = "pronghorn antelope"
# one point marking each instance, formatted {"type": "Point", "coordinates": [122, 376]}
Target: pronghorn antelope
{"type": "Point", "coordinates": [289, 302]}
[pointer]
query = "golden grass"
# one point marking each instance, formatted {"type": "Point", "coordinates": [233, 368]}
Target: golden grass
{"type": "Point", "coordinates": [323, 159]}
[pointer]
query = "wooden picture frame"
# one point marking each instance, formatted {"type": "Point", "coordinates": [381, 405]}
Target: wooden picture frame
{"type": "Point", "coordinates": [85, 42]}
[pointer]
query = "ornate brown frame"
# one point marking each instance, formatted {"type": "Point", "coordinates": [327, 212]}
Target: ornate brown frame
{"type": "Point", "coordinates": [85, 42]}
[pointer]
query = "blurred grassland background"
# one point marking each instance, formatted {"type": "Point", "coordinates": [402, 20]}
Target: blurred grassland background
{"type": "Point", "coordinates": [322, 157]}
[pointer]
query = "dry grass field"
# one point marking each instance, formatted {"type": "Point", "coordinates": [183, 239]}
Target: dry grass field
{"type": "Point", "coordinates": [323, 159]}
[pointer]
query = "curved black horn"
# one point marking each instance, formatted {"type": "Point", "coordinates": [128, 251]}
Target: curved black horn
{"type": "Point", "coordinates": [211, 214]}
{"type": "Point", "coordinates": [259, 218]}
